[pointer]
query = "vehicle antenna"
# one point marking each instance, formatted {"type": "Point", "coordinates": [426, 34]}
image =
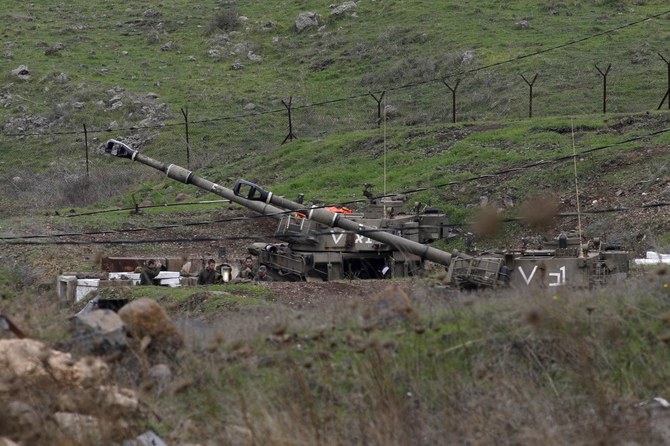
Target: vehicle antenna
{"type": "Point", "coordinates": [574, 163]}
{"type": "Point", "coordinates": [384, 137]}
{"type": "Point", "coordinates": [384, 145]}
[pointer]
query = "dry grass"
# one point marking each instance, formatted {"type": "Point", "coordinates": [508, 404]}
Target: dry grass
{"type": "Point", "coordinates": [498, 369]}
{"type": "Point", "coordinates": [62, 185]}
{"type": "Point", "coordinates": [509, 367]}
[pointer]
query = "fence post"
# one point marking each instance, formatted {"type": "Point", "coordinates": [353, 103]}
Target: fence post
{"type": "Point", "coordinates": [290, 135]}
{"type": "Point", "coordinates": [379, 106]}
{"type": "Point", "coordinates": [453, 98]}
{"type": "Point", "coordinates": [188, 146]}
{"type": "Point", "coordinates": [530, 96]}
{"type": "Point", "coordinates": [86, 147]}
{"type": "Point", "coordinates": [604, 75]}
{"type": "Point", "coordinates": [667, 92]}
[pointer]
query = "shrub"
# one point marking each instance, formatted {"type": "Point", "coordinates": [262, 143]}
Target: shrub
{"type": "Point", "coordinates": [227, 20]}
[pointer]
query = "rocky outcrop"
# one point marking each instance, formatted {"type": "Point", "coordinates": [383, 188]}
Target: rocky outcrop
{"type": "Point", "coordinates": [45, 391]}
{"type": "Point", "coordinates": [343, 8]}
{"type": "Point", "coordinates": [306, 20]}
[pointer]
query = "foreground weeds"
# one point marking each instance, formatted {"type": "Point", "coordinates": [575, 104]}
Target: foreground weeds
{"type": "Point", "coordinates": [414, 365]}
{"type": "Point", "coordinates": [557, 368]}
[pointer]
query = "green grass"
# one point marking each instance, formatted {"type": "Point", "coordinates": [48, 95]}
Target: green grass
{"type": "Point", "coordinates": [205, 301]}
{"type": "Point", "coordinates": [240, 293]}
{"type": "Point", "coordinates": [334, 169]}
{"type": "Point", "coordinates": [372, 51]}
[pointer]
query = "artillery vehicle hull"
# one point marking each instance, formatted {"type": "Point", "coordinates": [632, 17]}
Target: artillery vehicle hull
{"type": "Point", "coordinates": [311, 250]}
{"type": "Point", "coordinates": [573, 265]}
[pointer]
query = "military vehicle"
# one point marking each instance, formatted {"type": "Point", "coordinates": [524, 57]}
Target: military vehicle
{"type": "Point", "coordinates": [563, 261]}
{"type": "Point", "coordinates": [313, 250]}
{"type": "Point", "coordinates": [383, 241]}
{"type": "Point", "coordinates": [328, 242]}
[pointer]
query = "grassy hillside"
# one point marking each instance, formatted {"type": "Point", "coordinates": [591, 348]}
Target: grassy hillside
{"type": "Point", "coordinates": [94, 65]}
{"type": "Point", "coordinates": [344, 362]}
{"type": "Point", "coordinates": [133, 71]}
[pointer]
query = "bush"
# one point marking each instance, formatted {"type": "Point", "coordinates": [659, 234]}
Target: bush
{"type": "Point", "coordinates": [9, 280]}
{"type": "Point", "coordinates": [228, 20]}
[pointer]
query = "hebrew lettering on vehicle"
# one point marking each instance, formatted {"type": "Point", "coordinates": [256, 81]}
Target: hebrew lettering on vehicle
{"type": "Point", "coordinates": [525, 278]}
{"type": "Point", "coordinates": [337, 237]}
{"type": "Point", "coordinates": [362, 239]}
{"type": "Point", "coordinates": [560, 276]}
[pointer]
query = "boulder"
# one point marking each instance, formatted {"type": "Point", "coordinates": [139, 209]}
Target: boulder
{"type": "Point", "coordinates": [523, 24]}
{"type": "Point", "coordinates": [84, 429]}
{"type": "Point", "coordinates": [118, 400]}
{"type": "Point", "coordinates": [85, 372]}
{"type": "Point", "coordinates": [306, 20]}
{"type": "Point", "coordinates": [160, 376]}
{"type": "Point", "coordinates": [391, 111]}
{"type": "Point", "coordinates": [146, 318]}
{"type": "Point", "coordinates": [254, 57]}
{"type": "Point", "coordinates": [343, 8]}
{"type": "Point", "coordinates": [99, 331]}
{"type": "Point", "coordinates": [48, 391]}
{"type": "Point", "coordinates": [21, 72]}
{"type": "Point", "coordinates": [22, 358]}
{"type": "Point", "coordinates": [31, 361]}
{"type": "Point", "coordinates": [23, 416]}
{"type": "Point", "coordinates": [147, 438]}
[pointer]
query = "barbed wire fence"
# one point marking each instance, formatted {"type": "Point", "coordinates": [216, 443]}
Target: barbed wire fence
{"type": "Point", "coordinates": [422, 103]}
{"type": "Point", "coordinates": [460, 94]}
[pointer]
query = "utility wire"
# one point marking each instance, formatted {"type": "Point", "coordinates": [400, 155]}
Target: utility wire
{"type": "Point", "coordinates": [539, 163]}
{"type": "Point", "coordinates": [133, 208]}
{"type": "Point", "coordinates": [136, 241]}
{"type": "Point", "coordinates": [509, 170]}
{"type": "Point", "coordinates": [407, 192]}
{"type": "Point", "coordinates": [407, 232]}
{"type": "Point", "coordinates": [143, 229]}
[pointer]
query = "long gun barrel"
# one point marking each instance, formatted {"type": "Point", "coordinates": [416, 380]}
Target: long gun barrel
{"type": "Point", "coordinates": [185, 176]}
{"type": "Point", "coordinates": [266, 203]}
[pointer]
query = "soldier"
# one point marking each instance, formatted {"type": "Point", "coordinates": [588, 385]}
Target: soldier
{"type": "Point", "coordinates": [208, 275]}
{"type": "Point", "coordinates": [247, 270]}
{"type": "Point", "coordinates": [149, 273]}
{"type": "Point", "coordinates": [263, 275]}
{"type": "Point", "coordinates": [562, 240]}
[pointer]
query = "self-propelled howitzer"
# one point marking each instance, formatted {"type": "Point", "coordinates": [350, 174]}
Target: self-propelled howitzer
{"type": "Point", "coordinates": [384, 241]}
{"type": "Point", "coordinates": [327, 243]}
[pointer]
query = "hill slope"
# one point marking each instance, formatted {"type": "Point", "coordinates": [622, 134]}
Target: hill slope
{"type": "Point", "coordinates": [381, 362]}
{"type": "Point", "coordinates": [231, 70]}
